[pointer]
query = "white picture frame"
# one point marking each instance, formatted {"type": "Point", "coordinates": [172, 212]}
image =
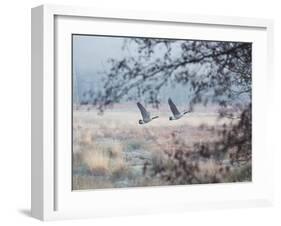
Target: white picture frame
{"type": "Point", "coordinates": [52, 197]}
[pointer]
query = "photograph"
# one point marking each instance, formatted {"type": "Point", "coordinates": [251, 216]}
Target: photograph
{"type": "Point", "coordinates": [157, 111]}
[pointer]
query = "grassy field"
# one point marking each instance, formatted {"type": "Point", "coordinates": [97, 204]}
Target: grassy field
{"type": "Point", "coordinates": [112, 150]}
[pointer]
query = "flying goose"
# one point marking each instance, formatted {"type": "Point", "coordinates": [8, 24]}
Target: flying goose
{"type": "Point", "coordinates": [175, 111]}
{"type": "Point", "coordinates": [145, 115]}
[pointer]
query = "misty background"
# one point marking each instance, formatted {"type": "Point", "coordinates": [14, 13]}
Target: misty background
{"type": "Point", "coordinates": [94, 57]}
{"type": "Point", "coordinates": [91, 64]}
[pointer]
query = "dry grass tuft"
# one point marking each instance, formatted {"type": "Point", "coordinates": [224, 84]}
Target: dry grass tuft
{"type": "Point", "coordinates": [86, 137]}
{"type": "Point", "coordinates": [97, 162]}
{"type": "Point", "coordinates": [113, 149]}
{"type": "Point", "coordinates": [101, 159]}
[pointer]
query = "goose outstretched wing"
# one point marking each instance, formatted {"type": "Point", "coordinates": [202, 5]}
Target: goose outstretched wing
{"type": "Point", "coordinates": [144, 113]}
{"type": "Point", "coordinates": [173, 107]}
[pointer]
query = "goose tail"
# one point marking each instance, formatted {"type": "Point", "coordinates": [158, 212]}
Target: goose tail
{"type": "Point", "coordinates": [155, 117]}
{"type": "Point", "coordinates": [187, 112]}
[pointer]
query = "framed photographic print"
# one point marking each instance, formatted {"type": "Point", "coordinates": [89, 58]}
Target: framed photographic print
{"type": "Point", "coordinates": [143, 113]}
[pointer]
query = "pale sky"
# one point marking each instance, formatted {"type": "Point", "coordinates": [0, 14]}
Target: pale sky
{"type": "Point", "coordinates": [90, 59]}
{"type": "Point", "coordinates": [90, 56]}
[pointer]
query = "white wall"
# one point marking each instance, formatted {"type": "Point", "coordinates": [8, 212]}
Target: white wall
{"type": "Point", "coordinates": [15, 111]}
